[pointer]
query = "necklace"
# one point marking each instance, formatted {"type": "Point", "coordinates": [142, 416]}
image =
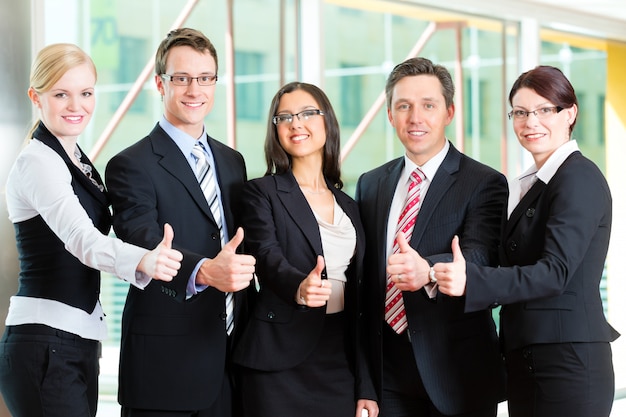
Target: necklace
{"type": "Point", "coordinates": [314, 192]}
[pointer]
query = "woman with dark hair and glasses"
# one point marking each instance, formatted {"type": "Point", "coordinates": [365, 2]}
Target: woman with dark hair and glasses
{"type": "Point", "coordinates": [555, 336]}
{"type": "Point", "coordinates": [301, 352]}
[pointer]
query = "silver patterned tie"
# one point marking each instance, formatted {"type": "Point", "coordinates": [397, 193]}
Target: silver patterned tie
{"type": "Point", "coordinates": [207, 181]}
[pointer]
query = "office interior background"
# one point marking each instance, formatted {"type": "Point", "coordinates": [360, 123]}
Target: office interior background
{"type": "Point", "coordinates": [347, 47]}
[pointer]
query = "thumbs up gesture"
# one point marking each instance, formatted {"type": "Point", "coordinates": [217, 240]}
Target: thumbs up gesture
{"type": "Point", "coordinates": [163, 262]}
{"type": "Point", "coordinates": [313, 290]}
{"type": "Point", "coordinates": [451, 277]}
{"type": "Point", "coordinates": [229, 271]}
{"type": "Point", "coordinates": [407, 269]}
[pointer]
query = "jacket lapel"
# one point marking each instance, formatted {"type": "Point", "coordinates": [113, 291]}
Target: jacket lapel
{"type": "Point", "coordinates": [298, 209]}
{"type": "Point", "coordinates": [174, 162]}
{"type": "Point", "coordinates": [524, 206]}
{"type": "Point", "coordinates": [439, 186]}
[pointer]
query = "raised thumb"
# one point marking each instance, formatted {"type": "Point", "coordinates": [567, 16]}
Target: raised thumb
{"type": "Point", "coordinates": [403, 245]}
{"type": "Point", "coordinates": [457, 255]}
{"type": "Point", "coordinates": [235, 241]}
{"type": "Point", "coordinates": [168, 236]}
{"type": "Point", "coordinates": [319, 267]}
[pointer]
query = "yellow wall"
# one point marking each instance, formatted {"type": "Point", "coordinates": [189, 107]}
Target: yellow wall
{"type": "Point", "coordinates": [616, 172]}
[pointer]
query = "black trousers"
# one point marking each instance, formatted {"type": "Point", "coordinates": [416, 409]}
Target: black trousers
{"type": "Point", "coordinates": [222, 407]}
{"type": "Point", "coordinates": [404, 394]}
{"type": "Point", "coordinates": [561, 379]}
{"type": "Point", "coordinates": [48, 372]}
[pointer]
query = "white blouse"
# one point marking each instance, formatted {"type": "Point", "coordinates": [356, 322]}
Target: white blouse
{"type": "Point", "coordinates": [39, 183]}
{"type": "Point", "coordinates": [339, 244]}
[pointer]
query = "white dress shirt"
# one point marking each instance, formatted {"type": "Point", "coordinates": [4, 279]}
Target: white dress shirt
{"type": "Point", "coordinates": [429, 169]}
{"type": "Point", "coordinates": [520, 185]}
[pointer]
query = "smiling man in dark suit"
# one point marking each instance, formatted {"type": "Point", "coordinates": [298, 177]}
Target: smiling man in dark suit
{"type": "Point", "coordinates": [429, 357]}
{"type": "Point", "coordinates": [176, 338]}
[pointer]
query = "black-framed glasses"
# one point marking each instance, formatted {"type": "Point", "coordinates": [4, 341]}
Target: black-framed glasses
{"type": "Point", "coordinates": [203, 80]}
{"type": "Point", "coordinates": [304, 115]}
{"type": "Point", "coordinates": [541, 113]}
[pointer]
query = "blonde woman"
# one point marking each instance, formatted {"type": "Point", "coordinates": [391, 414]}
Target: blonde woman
{"type": "Point", "coordinates": [57, 202]}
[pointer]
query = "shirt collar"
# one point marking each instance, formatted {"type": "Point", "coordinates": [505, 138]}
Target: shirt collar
{"type": "Point", "coordinates": [183, 140]}
{"type": "Point", "coordinates": [553, 163]}
{"type": "Point", "coordinates": [429, 168]}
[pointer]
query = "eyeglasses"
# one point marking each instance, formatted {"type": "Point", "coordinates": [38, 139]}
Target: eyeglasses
{"type": "Point", "coordinates": [303, 116]}
{"type": "Point", "coordinates": [541, 113]}
{"type": "Point", "coordinates": [203, 80]}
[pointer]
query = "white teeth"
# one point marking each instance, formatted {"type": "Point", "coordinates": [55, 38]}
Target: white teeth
{"type": "Point", "coordinates": [193, 104]}
{"type": "Point", "coordinates": [534, 136]}
{"type": "Point", "coordinates": [73, 118]}
{"type": "Point", "coordinates": [417, 133]}
{"type": "Point", "coordinates": [299, 137]}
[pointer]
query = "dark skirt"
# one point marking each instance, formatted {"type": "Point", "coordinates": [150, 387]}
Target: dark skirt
{"type": "Point", "coordinates": [322, 385]}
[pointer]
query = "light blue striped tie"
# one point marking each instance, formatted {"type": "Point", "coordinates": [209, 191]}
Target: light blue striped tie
{"type": "Point", "coordinates": [207, 181]}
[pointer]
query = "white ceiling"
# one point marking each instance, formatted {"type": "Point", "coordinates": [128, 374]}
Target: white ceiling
{"type": "Point", "coordinates": [605, 19]}
{"type": "Point", "coordinates": [613, 9]}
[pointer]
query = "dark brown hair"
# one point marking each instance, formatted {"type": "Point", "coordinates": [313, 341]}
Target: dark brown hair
{"type": "Point", "coordinates": [278, 161]}
{"type": "Point", "coordinates": [551, 84]}
{"type": "Point", "coordinates": [182, 37]}
{"type": "Point", "coordinates": [421, 66]}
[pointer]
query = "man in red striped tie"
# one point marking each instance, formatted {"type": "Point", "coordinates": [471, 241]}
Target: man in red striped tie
{"type": "Point", "coordinates": [429, 357]}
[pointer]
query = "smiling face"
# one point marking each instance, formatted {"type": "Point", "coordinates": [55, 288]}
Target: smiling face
{"type": "Point", "coordinates": [419, 114]}
{"type": "Point", "coordinates": [541, 137]}
{"type": "Point", "coordinates": [301, 138]}
{"type": "Point", "coordinates": [67, 107]}
{"type": "Point", "coordinates": [186, 106]}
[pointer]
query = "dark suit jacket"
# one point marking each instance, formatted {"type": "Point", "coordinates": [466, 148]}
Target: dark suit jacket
{"type": "Point", "coordinates": [555, 242]}
{"type": "Point", "coordinates": [283, 234]}
{"type": "Point", "coordinates": [173, 352]}
{"type": "Point", "coordinates": [457, 354]}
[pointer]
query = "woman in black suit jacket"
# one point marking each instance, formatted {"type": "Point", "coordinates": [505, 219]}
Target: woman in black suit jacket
{"type": "Point", "coordinates": [554, 245]}
{"type": "Point", "coordinates": [300, 352]}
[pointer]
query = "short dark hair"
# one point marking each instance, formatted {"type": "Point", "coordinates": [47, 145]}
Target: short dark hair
{"type": "Point", "coordinates": [550, 83]}
{"type": "Point", "coordinates": [278, 161]}
{"type": "Point", "coordinates": [182, 37]}
{"type": "Point", "coordinates": [421, 66]}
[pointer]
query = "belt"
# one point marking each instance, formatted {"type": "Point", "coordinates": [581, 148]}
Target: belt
{"type": "Point", "coordinates": [43, 330]}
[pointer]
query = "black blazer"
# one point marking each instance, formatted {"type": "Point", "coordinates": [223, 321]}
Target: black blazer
{"type": "Point", "coordinates": [283, 234]}
{"type": "Point", "coordinates": [555, 242]}
{"type": "Point", "coordinates": [457, 354]}
{"type": "Point", "coordinates": [173, 352]}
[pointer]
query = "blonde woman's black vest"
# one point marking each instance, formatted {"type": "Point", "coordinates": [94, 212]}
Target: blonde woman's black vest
{"type": "Point", "coordinates": [47, 269]}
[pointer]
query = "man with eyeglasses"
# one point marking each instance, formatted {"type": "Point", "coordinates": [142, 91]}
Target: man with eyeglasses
{"type": "Point", "coordinates": [176, 338]}
{"type": "Point", "coordinates": [429, 358]}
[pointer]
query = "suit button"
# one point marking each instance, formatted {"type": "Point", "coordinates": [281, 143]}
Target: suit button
{"type": "Point", "coordinates": [530, 212]}
{"type": "Point", "coordinates": [223, 316]}
{"type": "Point", "coordinates": [213, 236]}
{"type": "Point", "coordinates": [494, 305]}
{"type": "Point", "coordinates": [271, 315]}
{"type": "Point", "coordinates": [513, 246]}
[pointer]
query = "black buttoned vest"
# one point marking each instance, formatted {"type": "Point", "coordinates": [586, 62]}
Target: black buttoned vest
{"type": "Point", "coordinates": [47, 269]}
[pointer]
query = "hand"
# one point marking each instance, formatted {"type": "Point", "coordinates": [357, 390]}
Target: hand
{"type": "Point", "coordinates": [370, 406]}
{"type": "Point", "coordinates": [228, 271]}
{"type": "Point", "coordinates": [451, 277]}
{"type": "Point", "coordinates": [313, 290]}
{"type": "Point", "coordinates": [163, 262]}
{"type": "Point", "coordinates": [408, 270]}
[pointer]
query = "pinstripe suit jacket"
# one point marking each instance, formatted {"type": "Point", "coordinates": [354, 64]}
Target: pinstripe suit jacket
{"type": "Point", "coordinates": [173, 352]}
{"type": "Point", "coordinates": [457, 354]}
